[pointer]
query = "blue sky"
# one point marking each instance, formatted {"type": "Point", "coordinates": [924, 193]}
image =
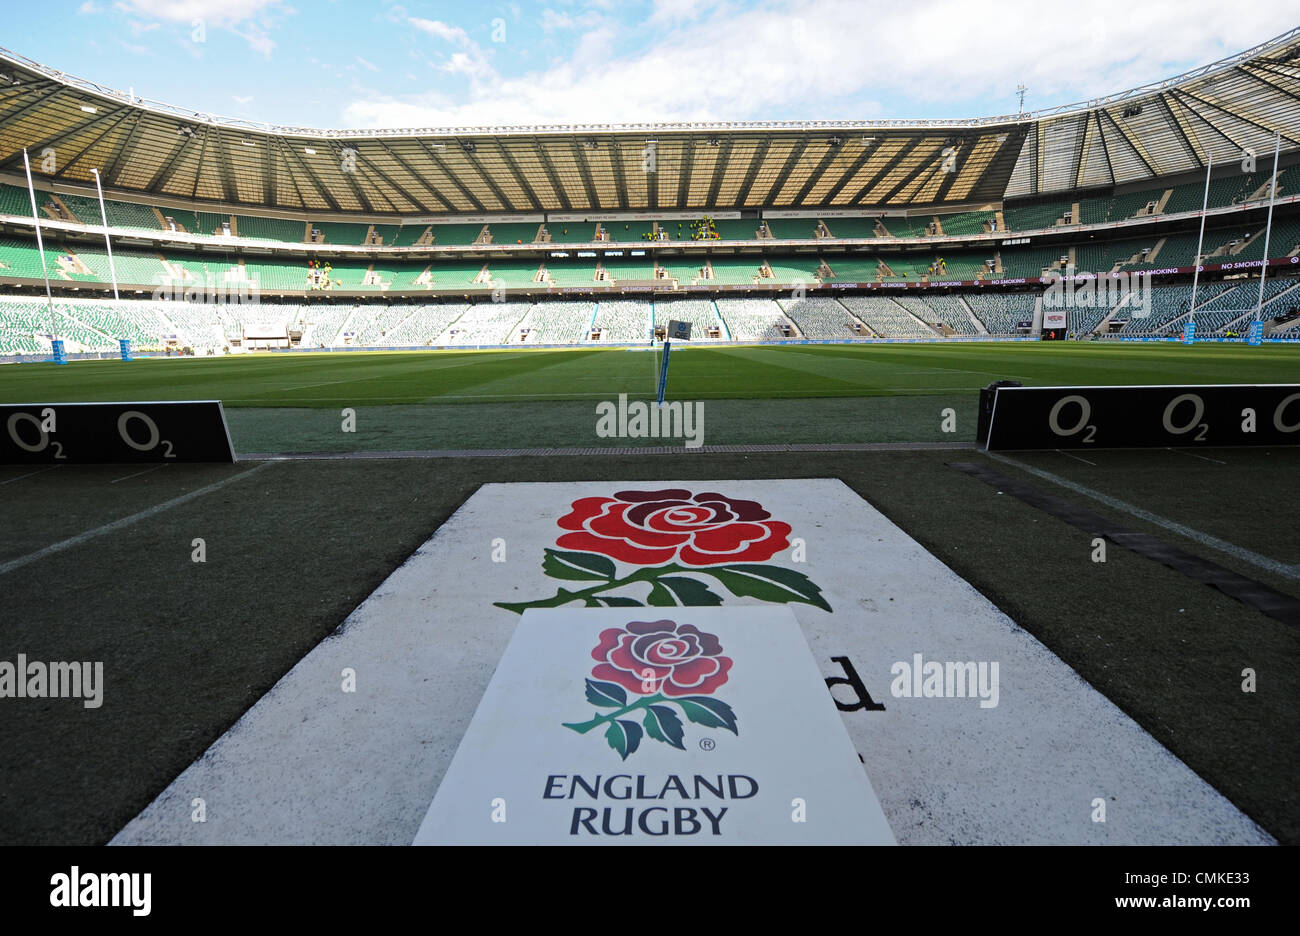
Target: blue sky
{"type": "Point", "coordinates": [378, 64]}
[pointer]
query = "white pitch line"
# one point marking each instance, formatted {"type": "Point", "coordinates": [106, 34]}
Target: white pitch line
{"type": "Point", "coordinates": [1194, 455]}
{"type": "Point", "coordinates": [1075, 457]}
{"type": "Point", "coordinates": [116, 525]}
{"type": "Point", "coordinates": [138, 473]}
{"type": "Point", "coordinates": [29, 474]}
{"type": "Point", "coordinates": [1240, 552]}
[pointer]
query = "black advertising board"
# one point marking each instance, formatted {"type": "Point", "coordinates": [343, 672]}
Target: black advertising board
{"type": "Point", "coordinates": [109, 433]}
{"type": "Point", "coordinates": [1144, 417]}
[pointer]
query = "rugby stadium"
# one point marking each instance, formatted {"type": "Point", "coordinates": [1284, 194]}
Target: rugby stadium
{"type": "Point", "coordinates": [330, 452]}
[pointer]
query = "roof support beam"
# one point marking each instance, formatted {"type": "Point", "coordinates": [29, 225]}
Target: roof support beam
{"type": "Point", "coordinates": [1134, 142]}
{"type": "Point", "coordinates": [831, 153]}
{"type": "Point", "coordinates": [849, 173]}
{"type": "Point", "coordinates": [684, 174]}
{"type": "Point", "coordinates": [455, 179]}
{"type": "Point", "coordinates": [322, 192]}
{"type": "Point", "coordinates": [911, 176]}
{"type": "Point", "coordinates": [718, 171]}
{"type": "Point", "coordinates": [1287, 132]}
{"type": "Point", "coordinates": [523, 182]}
{"type": "Point", "coordinates": [616, 162]}
{"type": "Point", "coordinates": [886, 169]}
{"type": "Point", "coordinates": [168, 168]}
{"type": "Point", "coordinates": [66, 167]}
{"type": "Point", "coordinates": [223, 161]}
{"type": "Point", "coordinates": [752, 172]}
{"type": "Point", "coordinates": [796, 154]}
{"type": "Point", "coordinates": [1177, 120]}
{"type": "Point", "coordinates": [15, 157]}
{"type": "Point", "coordinates": [964, 150]}
{"type": "Point", "coordinates": [418, 177]}
{"type": "Point", "coordinates": [1205, 120]}
{"type": "Point", "coordinates": [560, 193]}
{"type": "Point", "coordinates": [584, 170]}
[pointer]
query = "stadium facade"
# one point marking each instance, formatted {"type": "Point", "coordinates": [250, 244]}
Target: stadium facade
{"type": "Point", "coordinates": [591, 235]}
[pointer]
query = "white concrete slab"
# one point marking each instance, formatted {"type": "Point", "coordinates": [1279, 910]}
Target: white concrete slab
{"type": "Point", "coordinates": [567, 748]}
{"type": "Point", "coordinates": [311, 763]}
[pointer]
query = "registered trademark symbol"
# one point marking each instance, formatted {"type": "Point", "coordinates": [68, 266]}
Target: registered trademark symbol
{"type": "Point", "coordinates": [706, 744]}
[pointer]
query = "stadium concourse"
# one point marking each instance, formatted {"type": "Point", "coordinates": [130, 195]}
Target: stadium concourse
{"type": "Point", "coordinates": [307, 636]}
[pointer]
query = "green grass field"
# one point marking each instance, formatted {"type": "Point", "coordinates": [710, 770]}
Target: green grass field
{"type": "Point", "coordinates": [294, 546]}
{"type": "Point", "coordinates": [531, 399]}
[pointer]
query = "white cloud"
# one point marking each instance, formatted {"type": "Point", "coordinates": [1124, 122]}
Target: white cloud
{"type": "Point", "coordinates": [257, 40]}
{"type": "Point", "coordinates": [185, 11]}
{"type": "Point", "coordinates": [90, 7]}
{"type": "Point", "coordinates": [807, 58]}
{"type": "Point", "coordinates": [472, 65]}
{"type": "Point", "coordinates": [368, 64]}
{"type": "Point", "coordinates": [241, 100]}
{"type": "Point", "coordinates": [441, 30]}
{"type": "Point", "coordinates": [252, 15]}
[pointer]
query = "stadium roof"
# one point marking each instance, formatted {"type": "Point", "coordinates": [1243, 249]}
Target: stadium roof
{"type": "Point", "coordinates": [151, 148]}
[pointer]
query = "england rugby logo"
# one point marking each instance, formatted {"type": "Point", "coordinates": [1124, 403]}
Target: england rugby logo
{"type": "Point", "coordinates": [663, 534]}
{"type": "Point", "coordinates": [668, 668]}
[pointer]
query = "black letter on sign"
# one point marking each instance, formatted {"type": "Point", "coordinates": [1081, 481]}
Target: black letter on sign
{"type": "Point", "coordinates": [864, 698]}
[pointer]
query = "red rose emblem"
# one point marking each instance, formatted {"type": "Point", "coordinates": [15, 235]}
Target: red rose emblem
{"type": "Point", "coordinates": [660, 656]}
{"type": "Point", "coordinates": [655, 527]}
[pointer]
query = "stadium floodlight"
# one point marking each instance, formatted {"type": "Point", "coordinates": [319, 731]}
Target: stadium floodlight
{"type": "Point", "coordinates": [469, 146]}
{"type": "Point", "coordinates": [309, 151]}
{"type": "Point", "coordinates": [834, 141]}
{"type": "Point", "coordinates": [89, 108]}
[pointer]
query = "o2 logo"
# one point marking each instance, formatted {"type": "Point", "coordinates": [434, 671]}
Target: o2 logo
{"type": "Point", "coordinates": [1082, 425]}
{"type": "Point", "coordinates": [43, 426]}
{"type": "Point", "coordinates": [124, 429]}
{"type": "Point", "coordinates": [1198, 410]}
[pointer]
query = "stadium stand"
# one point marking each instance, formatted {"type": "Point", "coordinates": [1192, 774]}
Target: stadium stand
{"type": "Point", "coordinates": [821, 317]}
{"type": "Point", "coordinates": [851, 227]}
{"type": "Point", "coordinates": [554, 323]}
{"type": "Point", "coordinates": [425, 324]}
{"type": "Point", "coordinates": [513, 233]}
{"type": "Point", "coordinates": [701, 313]}
{"type": "Point", "coordinates": [1035, 217]}
{"type": "Point", "coordinates": [939, 311]}
{"type": "Point", "coordinates": [754, 319]}
{"type": "Point", "coordinates": [886, 317]}
{"type": "Point", "coordinates": [965, 223]}
{"type": "Point", "coordinates": [621, 320]}
{"type": "Point", "coordinates": [1000, 312]}
{"type": "Point", "coordinates": [272, 229]}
